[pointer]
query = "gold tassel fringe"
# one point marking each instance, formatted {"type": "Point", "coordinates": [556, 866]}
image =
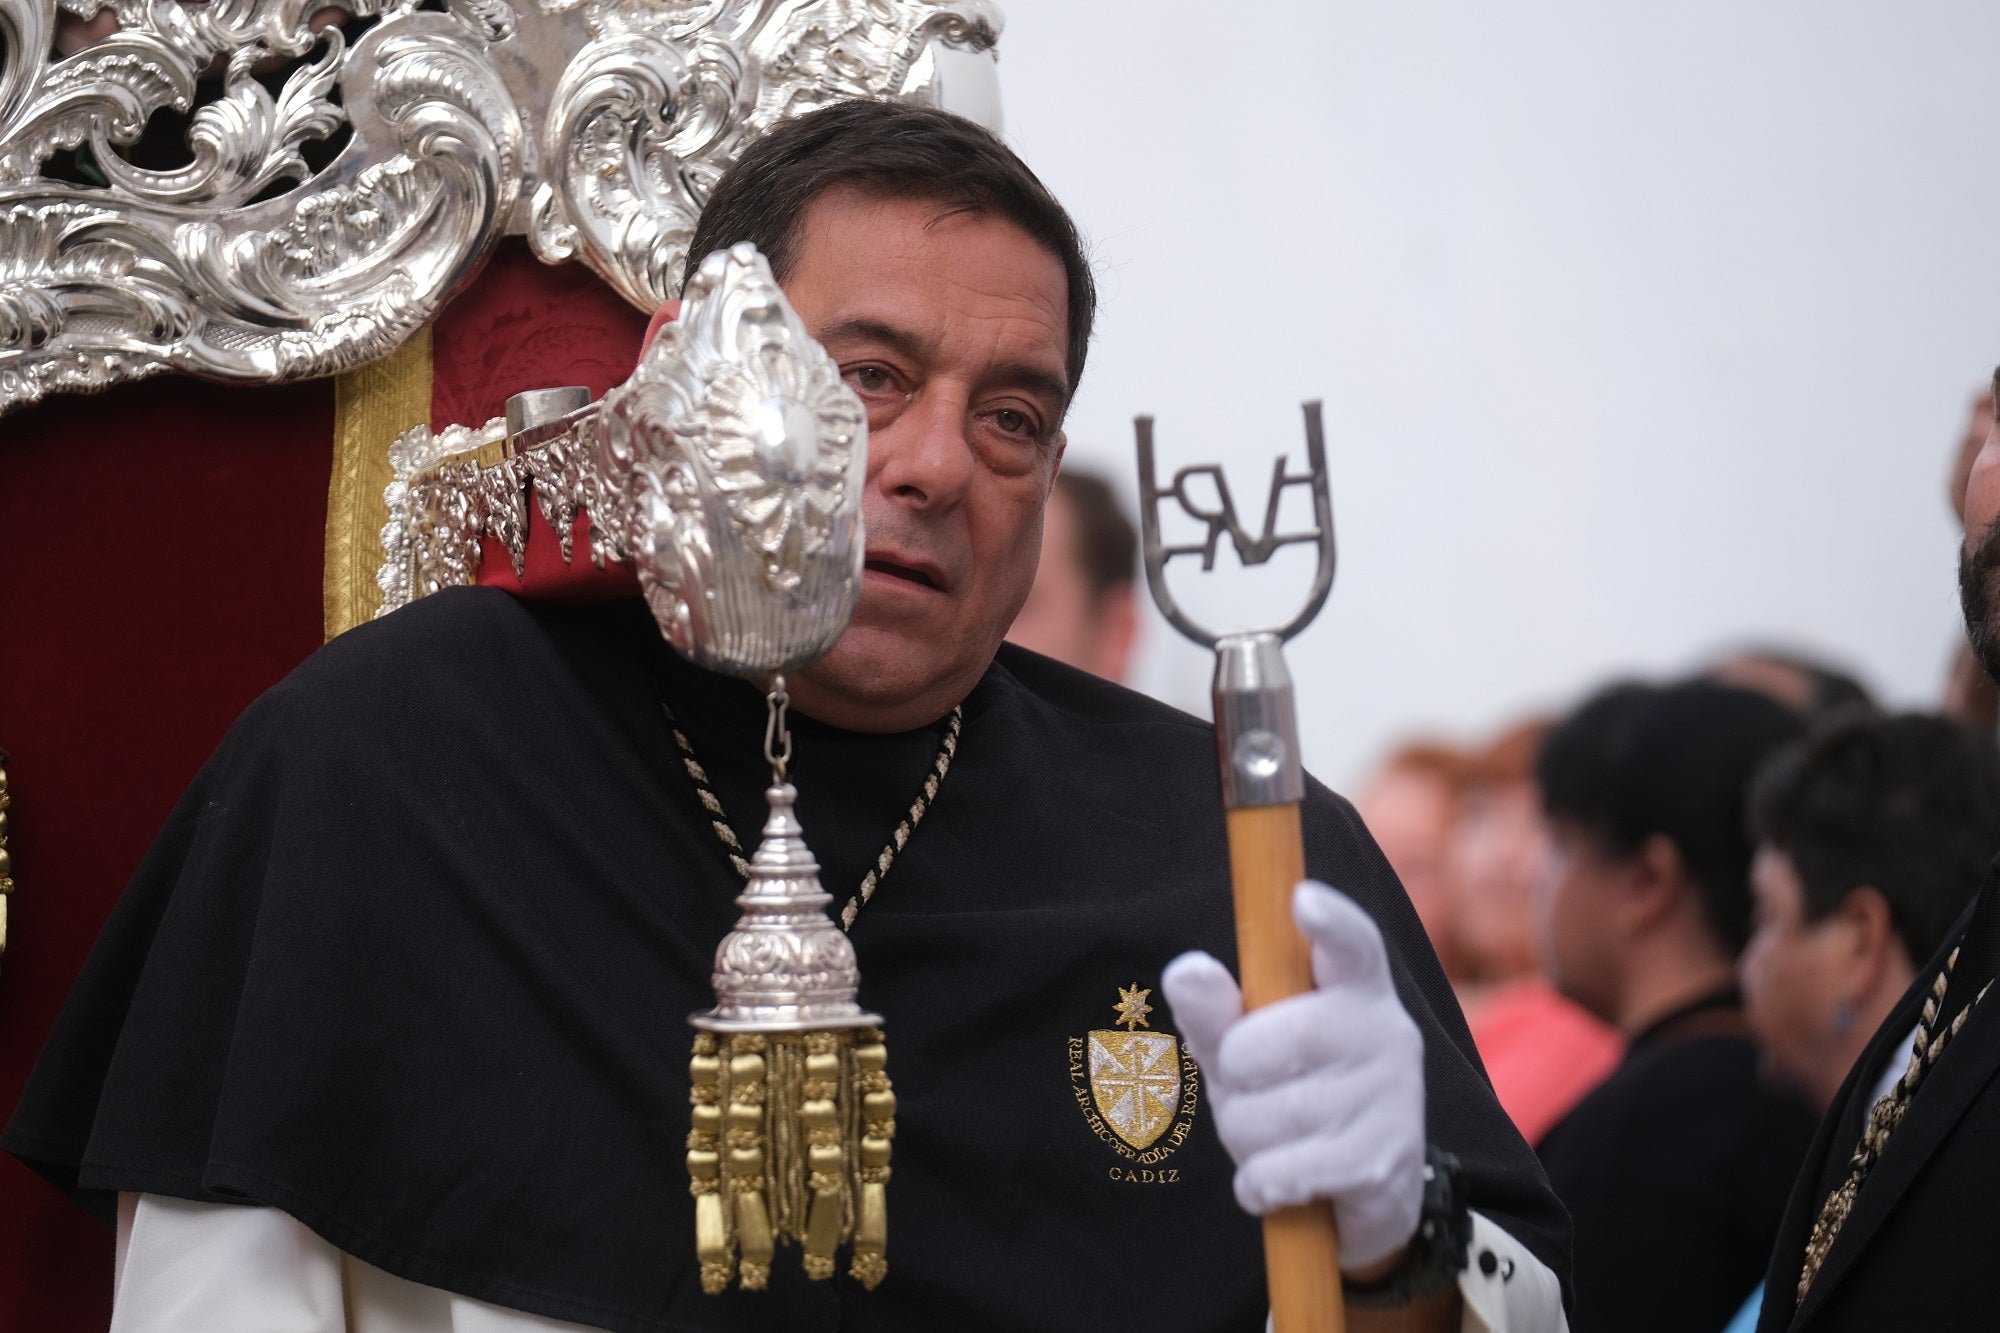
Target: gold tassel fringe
{"type": "Point", "coordinates": [790, 1142]}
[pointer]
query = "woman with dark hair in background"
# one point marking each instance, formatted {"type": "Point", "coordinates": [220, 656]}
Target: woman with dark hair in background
{"type": "Point", "coordinates": [1676, 1169]}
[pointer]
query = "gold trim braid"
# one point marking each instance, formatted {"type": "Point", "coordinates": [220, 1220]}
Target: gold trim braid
{"type": "Point", "coordinates": [6, 862]}
{"type": "Point", "coordinates": [371, 407]}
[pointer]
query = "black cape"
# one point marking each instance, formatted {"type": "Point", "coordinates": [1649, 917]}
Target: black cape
{"type": "Point", "coordinates": [413, 959]}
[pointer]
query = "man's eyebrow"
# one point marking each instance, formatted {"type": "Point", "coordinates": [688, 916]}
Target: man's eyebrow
{"type": "Point", "coordinates": [1024, 375]}
{"type": "Point", "coordinates": [900, 341]}
{"type": "Point", "coordinates": [1035, 380]}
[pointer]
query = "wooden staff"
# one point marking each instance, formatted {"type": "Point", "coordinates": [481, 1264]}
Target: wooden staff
{"type": "Point", "coordinates": [1256, 733]}
{"type": "Point", "coordinates": [1257, 736]}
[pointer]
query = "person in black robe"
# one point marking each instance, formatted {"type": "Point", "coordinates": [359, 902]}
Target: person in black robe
{"type": "Point", "coordinates": [1889, 1222]}
{"type": "Point", "coordinates": [412, 960]}
{"type": "Point", "coordinates": [1675, 1168]}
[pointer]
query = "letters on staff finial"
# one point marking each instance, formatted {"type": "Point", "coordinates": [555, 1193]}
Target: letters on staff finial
{"type": "Point", "coordinates": [1222, 519]}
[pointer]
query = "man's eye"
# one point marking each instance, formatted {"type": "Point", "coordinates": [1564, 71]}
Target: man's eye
{"type": "Point", "coordinates": [1013, 423]}
{"type": "Point", "coordinates": [869, 379]}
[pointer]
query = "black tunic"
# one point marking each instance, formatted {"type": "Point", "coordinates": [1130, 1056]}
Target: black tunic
{"type": "Point", "coordinates": [413, 959]}
{"type": "Point", "coordinates": [1676, 1169]}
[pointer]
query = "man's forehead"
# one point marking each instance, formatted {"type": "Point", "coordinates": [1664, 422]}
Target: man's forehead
{"type": "Point", "coordinates": [924, 271]}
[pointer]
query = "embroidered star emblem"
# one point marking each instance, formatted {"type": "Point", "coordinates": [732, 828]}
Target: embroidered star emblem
{"type": "Point", "coordinates": [1132, 1007]}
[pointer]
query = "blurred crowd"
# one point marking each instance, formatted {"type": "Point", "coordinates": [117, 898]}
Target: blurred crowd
{"type": "Point", "coordinates": [1674, 914]}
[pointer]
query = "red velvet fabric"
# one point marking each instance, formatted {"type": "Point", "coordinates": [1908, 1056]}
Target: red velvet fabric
{"type": "Point", "coordinates": [524, 325]}
{"type": "Point", "coordinates": [161, 553]}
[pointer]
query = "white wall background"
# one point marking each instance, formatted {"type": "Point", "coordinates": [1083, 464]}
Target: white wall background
{"type": "Point", "coordinates": [1642, 329]}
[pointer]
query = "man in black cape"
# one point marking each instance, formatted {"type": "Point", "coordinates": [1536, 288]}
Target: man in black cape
{"type": "Point", "coordinates": [1889, 1224]}
{"type": "Point", "coordinates": [393, 1016]}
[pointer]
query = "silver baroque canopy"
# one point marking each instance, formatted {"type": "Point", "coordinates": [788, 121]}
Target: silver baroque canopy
{"type": "Point", "coordinates": [315, 180]}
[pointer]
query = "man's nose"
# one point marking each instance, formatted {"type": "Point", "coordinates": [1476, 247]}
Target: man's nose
{"type": "Point", "coordinates": [925, 457]}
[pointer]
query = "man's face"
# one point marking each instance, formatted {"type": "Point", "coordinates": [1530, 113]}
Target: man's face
{"type": "Point", "coordinates": [1979, 557]}
{"type": "Point", "coordinates": [1576, 921]}
{"type": "Point", "coordinates": [953, 331]}
{"type": "Point", "coordinates": [1793, 972]}
{"type": "Point", "coordinates": [1064, 617]}
{"type": "Point", "coordinates": [1057, 619]}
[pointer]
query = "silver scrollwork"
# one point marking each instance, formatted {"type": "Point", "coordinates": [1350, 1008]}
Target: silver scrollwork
{"type": "Point", "coordinates": [268, 190]}
{"type": "Point", "coordinates": [742, 454]}
{"type": "Point", "coordinates": [212, 266]}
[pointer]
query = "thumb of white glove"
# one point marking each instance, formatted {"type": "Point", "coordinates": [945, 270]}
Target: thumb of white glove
{"type": "Point", "coordinates": [1319, 1096]}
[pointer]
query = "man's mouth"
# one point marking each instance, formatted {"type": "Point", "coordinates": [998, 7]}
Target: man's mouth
{"type": "Point", "coordinates": [921, 575]}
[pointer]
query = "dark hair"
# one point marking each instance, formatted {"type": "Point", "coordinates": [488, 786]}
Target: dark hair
{"type": "Point", "coordinates": [891, 150]}
{"type": "Point", "coordinates": [1107, 546]}
{"type": "Point", "coordinates": [1907, 805]}
{"type": "Point", "coordinates": [1639, 761]}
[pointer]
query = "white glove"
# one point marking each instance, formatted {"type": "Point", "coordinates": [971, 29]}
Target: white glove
{"type": "Point", "coordinates": [1320, 1096]}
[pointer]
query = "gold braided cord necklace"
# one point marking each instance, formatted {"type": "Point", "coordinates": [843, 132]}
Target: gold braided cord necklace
{"type": "Point", "coordinates": [718, 822]}
{"type": "Point", "coordinates": [1883, 1118]}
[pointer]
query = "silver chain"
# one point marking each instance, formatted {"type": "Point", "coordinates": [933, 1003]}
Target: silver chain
{"type": "Point", "coordinates": [777, 736]}
{"type": "Point", "coordinates": [778, 751]}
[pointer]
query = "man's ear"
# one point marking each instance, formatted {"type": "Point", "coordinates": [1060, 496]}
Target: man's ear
{"type": "Point", "coordinates": [1872, 940]}
{"type": "Point", "coordinates": [1657, 878]}
{"type": "Point", "coordinates": [662, 317]}
{"type": "Point", "coordinates": [1061, 443]}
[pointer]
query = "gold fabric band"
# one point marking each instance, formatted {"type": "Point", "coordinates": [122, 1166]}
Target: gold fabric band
{"type": "Point", "coordinates": [6, 862]}
{"type": "Point", "coordinates": [371, 407]}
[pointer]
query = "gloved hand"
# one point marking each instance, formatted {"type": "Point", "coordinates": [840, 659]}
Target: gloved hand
{"type": "Point", "coordinates": [1319, 1096]}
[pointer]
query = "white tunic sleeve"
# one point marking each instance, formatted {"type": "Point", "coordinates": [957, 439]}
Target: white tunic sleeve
{"type": "Point", "coordinates": [187, 1267]}
{"type": "Point", "coordinates": [1506, 1288]}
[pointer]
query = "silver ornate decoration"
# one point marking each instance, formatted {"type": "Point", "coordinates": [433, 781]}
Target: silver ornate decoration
{"type": "Point", "coordinates": [786, 966]}
{"type": "Point", "coordinates": [728, 468]}
{"type": "Point", "coordinates": [746, 453]}
{"type": "Point", "coordinates": [213, 266]}
{"type": "Point", "coordinates": [649, 113]}
{"type": "Point", "coordinates": [793, 1116]}
{"type": "Point", "coordinates": [342, 171]}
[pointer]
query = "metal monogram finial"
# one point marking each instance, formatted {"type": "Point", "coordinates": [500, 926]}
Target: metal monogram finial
{"type": "Point", "coordinates": [1223, 520]}
{"type": "Point", "coordinates": [1256, 722]}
